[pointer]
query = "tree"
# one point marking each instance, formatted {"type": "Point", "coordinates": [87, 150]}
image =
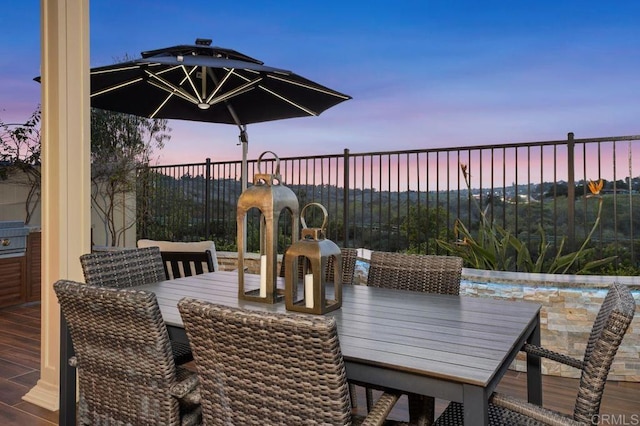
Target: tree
{"type": "Point", "coordinates": [423, 226]}
{"type": "Point", "coordinates": [20, 153]}
{"type": "Point", "coordinates": [120, 143]}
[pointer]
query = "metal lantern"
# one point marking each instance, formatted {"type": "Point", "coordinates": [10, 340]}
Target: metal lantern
{"type": "Point", "coordinates": [305, 265]}
{"type": "Point", "coordinates": [272, 198]}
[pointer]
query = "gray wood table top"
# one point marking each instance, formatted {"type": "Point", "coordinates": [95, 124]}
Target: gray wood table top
{"type": "Point", "coordinates": [458, 339]}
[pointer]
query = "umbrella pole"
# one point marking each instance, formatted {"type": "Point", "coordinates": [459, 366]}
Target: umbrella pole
{"type": "Point", "coordinates": [244, 141]}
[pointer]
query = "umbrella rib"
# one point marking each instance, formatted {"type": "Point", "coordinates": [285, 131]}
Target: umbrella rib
{"type": "Point", "coordinates": [171, 88]}
{"type": "Point", "coordinates": [289, 101]}
{"type": "Point", "coordinates": [310, 87]}
{"type": "Point", "coordinates": [188, 78]}
{"type": "Point", "coordinates": [218, 85]}
{"type": "Point", "coordinates": [171, 92]}
{"type": "Point", "coordinates": [111, 70]}
{"type": "Point", "coordinates": [153, 114]}
{"type": "Point", "coordinates": [169, 96]}
{"type": "Point", "coordinates": [235, 92]}
{"type": "Point", "coordinates": [116, 87]}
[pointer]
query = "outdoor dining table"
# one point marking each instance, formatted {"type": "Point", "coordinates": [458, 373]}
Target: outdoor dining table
{"type": "Point", "coordinates": [452, 347]}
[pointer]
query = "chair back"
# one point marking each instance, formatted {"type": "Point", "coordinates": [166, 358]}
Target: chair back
{"type": "Point", "coordinates": [124, 360]}
{"type": "Point", "coordinates": [260, 368]}
{"type": "Point", "coordinates": [611, 324]}
{"type": "Point", "coordinates": [416, 272]}
{"type": "Point", "coordinates": [183, 246]}
{"type": "Point", "coordinates": [349, 256]}
{"type": "Point", "coordinates": [123, 268]}
{"type": "Point", "coordinates": [179, 264]}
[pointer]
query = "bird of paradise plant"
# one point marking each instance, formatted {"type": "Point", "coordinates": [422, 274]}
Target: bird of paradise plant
{"type": "Point", "coordinates": [495, 248]}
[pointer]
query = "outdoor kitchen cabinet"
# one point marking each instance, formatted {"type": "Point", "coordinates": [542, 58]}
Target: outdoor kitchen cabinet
{"type": "Point", "coordinates": [20, 261]}
{"type": "Point", "coordinates": [13, 274]}
{"type": "Point", "coordinates": [34, 262]}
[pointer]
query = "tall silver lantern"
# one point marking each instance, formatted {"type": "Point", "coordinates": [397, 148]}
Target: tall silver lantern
{"type": "Point", "coordinates": [271, 198]}
{"type": "Point", "coordinates": [305, 266]}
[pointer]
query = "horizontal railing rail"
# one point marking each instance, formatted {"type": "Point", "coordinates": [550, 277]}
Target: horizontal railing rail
{"type": "Point", "coordinates": [406, 200]}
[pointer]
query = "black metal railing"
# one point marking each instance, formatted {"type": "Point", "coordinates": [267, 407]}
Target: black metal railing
{"type": "Point", "coordinates": [406, 200]}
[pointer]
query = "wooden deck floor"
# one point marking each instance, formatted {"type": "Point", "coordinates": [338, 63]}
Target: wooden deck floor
{"type": "Point", "coordinates": [20, 364]}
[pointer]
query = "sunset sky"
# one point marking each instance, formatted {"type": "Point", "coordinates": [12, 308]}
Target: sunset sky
{"type": "Point", "coordinates": [421, 73]}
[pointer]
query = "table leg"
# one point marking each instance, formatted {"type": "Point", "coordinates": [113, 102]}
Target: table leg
{"type": "Point", "coordinates": [534, 368]}
{"type": "Point", "coordinates": [476, 406]}
{"type": "Point", "coordinates": [67, 414]}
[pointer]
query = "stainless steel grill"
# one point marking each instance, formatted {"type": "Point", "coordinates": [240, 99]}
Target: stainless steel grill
{"type": "Point", "coordinates": [13, 238]}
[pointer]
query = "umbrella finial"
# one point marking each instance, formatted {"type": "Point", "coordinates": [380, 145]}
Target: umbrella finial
{"type": "Point", "coordinates": [203, 42]}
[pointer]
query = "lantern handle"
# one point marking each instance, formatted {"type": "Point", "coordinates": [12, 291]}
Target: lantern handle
{"type": "Point", "coordinates": [324, 211]}
{"type": "Point", "coordinates": [277, 160]}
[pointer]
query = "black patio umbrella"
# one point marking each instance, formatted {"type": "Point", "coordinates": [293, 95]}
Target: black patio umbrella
{"type": "Point", "coordinates": [209, 84]}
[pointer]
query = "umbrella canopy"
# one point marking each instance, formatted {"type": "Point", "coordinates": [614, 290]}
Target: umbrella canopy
{"type": "Point", "coordinates": [210, 84]}
{"type": "Point", "coordinates": [199, 83]}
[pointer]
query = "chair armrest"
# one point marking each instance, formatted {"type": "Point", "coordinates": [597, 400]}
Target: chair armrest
{"type": "Point", "coordinates": [187, 388]}
{"type": "Point", "coordinates": [533, 411]}
{"type": "Point", "coordinates": [555, 356]}
{"type": "Point", "coordinates": [381, 409]}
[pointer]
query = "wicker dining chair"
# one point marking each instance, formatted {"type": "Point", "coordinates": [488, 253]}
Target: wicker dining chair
{"type": "Point", "coordinates": [183, 246]}
{"type": "Point", "coordinates": [415, 272]}
{"type": "Point", "coordinates": [259, 368]}
{"type": "Point", "coordinates": [130, 268]}
{"type": "Point", "coordinates": [126, 371]}
{"type": "Point", "coordinates": [179, 264]}
{"type": "Point", "coordinates": [611, 324]}
{"type": "Point", "coordinates": [349, 257]}
{"type": "Point", "coordinates": [123, 268]}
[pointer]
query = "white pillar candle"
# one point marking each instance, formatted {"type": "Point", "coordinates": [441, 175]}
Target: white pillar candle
{"type": "Point", "coordinates": [263, 275]}
{"type": "Point", "coordinates": [308, 290]}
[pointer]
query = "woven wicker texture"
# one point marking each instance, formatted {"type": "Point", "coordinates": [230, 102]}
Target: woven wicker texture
{"type": "Point", "coordinates": [130, 268]}
{"type": "Point", "coordinates": [123, 355]}
{"type": "Point", "coordinates": [349, 256]}
{"type": "Point", "coordinates": [415, 272]}
{"type": "Point", "coordinates": [426, 273]}
{"type": "Point", "coordinates": [609, 328]}
{"type": "Point", "coordinates": [123, 268]}
{"type": "Point", "coordinates": [260, 368]}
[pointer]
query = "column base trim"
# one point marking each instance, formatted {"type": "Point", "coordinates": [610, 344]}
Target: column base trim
{"type": "Point", "coordinates": [44, 395]}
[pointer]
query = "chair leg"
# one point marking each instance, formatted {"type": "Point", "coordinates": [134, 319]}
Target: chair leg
{"type": "Point", "coordinates": [369, 393]}
{"type": "Point", "coordinates": [353, 395]}
{"type": "Point", "coordinates": [421, 410]}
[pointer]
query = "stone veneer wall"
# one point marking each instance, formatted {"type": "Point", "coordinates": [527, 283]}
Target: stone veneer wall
{"type": "Point", "coordinates": [570, 304]}
{"type": "Point", "coordinates": [569, 307]}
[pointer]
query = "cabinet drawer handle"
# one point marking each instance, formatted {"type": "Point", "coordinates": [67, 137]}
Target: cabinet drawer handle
{"type": "Point", "coordinates": [6, 242]}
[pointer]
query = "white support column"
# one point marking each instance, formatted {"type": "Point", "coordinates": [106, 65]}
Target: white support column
{"type": "Point", "coordinates": [66, 147]}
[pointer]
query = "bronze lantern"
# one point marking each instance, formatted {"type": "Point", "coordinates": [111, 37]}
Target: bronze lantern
{"type": "Point", "coordinates": [271, 198]}
{"type": "Point", "coordinates": [305, 265]}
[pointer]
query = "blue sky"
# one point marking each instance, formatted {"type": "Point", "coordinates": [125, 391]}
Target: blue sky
{"type": "Point", "coordinates": [421, 73]}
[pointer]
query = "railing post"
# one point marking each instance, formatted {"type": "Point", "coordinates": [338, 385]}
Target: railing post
{"type": "Point", "coordinates": [345, 198]}
{"type": "Point", "coordinates": [207, 197]}
{"type": "Point", "coordinates": [571, 193]}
